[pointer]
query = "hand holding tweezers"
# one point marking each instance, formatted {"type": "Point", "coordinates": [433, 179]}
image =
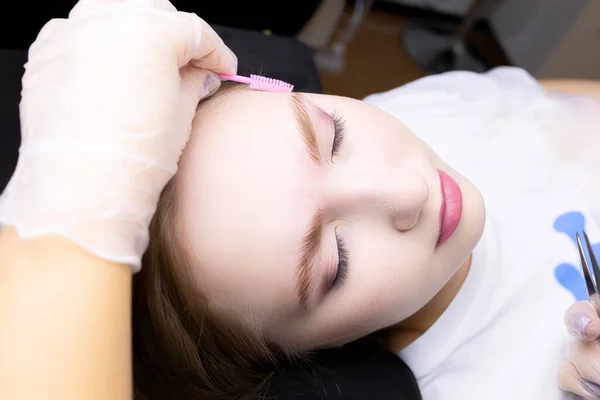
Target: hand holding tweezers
{"type": "Point", "coordinates": [590, 269]}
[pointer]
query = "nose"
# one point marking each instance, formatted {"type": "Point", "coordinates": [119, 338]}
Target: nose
{"type": "Point", "coordinates": [397, 195]}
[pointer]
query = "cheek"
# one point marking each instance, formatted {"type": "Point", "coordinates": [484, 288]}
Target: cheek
{"type": "Point", "coordinates": [396, 283]}
{"type": "Point", "coordinates": [370, 138]}
{"type": "Point", "coordinates": [386, 285]}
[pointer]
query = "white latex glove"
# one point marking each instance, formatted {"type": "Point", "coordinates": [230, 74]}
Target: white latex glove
{"type": "Point", "coordinates": [108, 99]}
{"type": "Point", "coordinates": [580, 370]}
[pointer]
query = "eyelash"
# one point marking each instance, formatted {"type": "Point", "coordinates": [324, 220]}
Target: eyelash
{"type": "Point", "coordinates": [339, 129]}
{"type": "Point", "coordinates": [342, 267]}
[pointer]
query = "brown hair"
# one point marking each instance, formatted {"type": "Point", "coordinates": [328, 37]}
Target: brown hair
{"type": "Point", "coordinates": [180, 349]}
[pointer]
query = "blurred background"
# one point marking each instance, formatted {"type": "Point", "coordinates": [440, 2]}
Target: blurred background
{"type": "Point", "coordinates": [365, 46]}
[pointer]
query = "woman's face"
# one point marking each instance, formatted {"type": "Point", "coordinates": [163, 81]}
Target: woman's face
{"type": "Point", "coordinates": [317, 219]}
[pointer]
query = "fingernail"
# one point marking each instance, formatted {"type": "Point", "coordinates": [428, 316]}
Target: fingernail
{"type": "Point", "coordinates": [211, 84]}
{"type": "Point", "coordinates": [578, 322]}
{"type": "Point", "coordinates": [591, 387]}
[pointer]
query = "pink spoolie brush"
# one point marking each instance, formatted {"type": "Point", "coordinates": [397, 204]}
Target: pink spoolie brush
{"type": "Point", "coordinates": [258, 82]}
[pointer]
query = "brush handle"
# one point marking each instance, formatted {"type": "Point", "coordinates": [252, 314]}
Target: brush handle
{"type": "Point", "coordinates": [235, 78]}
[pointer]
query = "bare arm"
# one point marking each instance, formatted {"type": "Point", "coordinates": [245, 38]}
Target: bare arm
{"type": "Point", "coordinates": [64, 322]}
{"type": "Point", "coordinates": [573, 86]}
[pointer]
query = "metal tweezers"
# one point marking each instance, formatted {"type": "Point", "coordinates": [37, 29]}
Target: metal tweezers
{"type": "Point", "coordinates": [589, 268]}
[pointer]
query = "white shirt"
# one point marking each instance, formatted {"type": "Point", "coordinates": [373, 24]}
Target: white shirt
{"type": "Point", "coordinates": [503, 334]}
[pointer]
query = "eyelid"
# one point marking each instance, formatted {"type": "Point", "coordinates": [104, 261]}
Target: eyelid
{"type": "Point", "coordinates": [324, 127]}
{"type": "Point", "coordinates": [342, 263]}
{"type": "Point", "coordinates": [339, 128]}
{"type": "Point", "coordinates": [332, 263]}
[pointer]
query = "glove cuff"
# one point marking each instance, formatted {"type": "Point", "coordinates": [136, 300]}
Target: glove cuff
{"type": "Point", "coordinates": [102, 199]}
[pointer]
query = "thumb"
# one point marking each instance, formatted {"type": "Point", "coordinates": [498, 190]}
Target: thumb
{"type": "Point", "coordinates": [582, 321]}
{"type": "Point", "coordinates": [198, 83]}
{"type": "Point", "coordinates": [200, 45]}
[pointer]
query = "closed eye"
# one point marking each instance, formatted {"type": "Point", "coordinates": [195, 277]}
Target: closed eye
{"type": "Point", "coordinates": [342, 266]}
{"type": "Point", "coordinates": [338, 136]}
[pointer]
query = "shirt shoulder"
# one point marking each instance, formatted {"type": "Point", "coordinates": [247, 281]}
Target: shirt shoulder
{"type": "Point", "coordinates": [464, 84]}
{"type": "Point", "coordinates": [448, 91]}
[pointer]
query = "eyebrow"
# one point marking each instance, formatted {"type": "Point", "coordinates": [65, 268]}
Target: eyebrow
{"type": "Point", "coordinates": [308, 253]}
{"type": "Point", "coordinates": [306, 127]}
{"type": "Point", "coordinates": [311, 240]}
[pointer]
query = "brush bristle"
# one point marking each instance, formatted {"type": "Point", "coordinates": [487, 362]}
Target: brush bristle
{"type": "Point", "coordinates": [269, 84]}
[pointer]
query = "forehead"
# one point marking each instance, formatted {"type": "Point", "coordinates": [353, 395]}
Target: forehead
{"type": "Point", "coordinates": [245, 183]}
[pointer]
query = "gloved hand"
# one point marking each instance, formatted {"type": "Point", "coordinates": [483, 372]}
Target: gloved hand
{"type": "Point", "coordinates": [108, 99]}
{"type": "Point", "coordinates": [580, 370]}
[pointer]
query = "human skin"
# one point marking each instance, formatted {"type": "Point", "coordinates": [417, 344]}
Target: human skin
{"type": "Point", "coordinates": [103, 291]}
{"type": "Point", "coordinates": [250, 189]}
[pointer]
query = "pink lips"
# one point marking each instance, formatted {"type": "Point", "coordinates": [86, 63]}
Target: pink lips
{"type": "Point", "coordinates": [451, 208]}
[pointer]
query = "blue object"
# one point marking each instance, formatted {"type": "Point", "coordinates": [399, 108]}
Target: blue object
{"type": "Point", "coordinates": [568, 275]}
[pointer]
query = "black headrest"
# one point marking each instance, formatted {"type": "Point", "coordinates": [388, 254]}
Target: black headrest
{"type": "Point", "coordinates": [358, 371]}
